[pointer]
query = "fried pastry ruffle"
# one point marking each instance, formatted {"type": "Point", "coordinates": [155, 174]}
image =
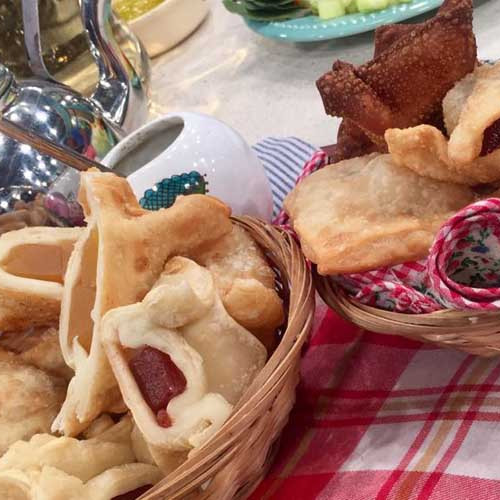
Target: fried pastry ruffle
{"type": "Point", "coordinates": [471, 155]}
{"type": "Point", "coordinates": [405, 83]}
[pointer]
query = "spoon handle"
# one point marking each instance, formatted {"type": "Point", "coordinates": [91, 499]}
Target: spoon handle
{"type": "Point", "coordinates": [56, 151]}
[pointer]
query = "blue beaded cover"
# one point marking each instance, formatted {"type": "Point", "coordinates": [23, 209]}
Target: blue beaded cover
{"type": "Point", "coordinates": [164, 193]}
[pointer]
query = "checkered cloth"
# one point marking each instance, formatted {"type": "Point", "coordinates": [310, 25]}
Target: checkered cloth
{"type": "Point", "coordinates": [382, 417]}
{"type": "Point", "coordinates": [403, 288]}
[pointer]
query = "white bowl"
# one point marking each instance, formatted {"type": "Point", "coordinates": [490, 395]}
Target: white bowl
{"type": "Point", "coordinates": [184, 143]}
{"type": "Point", "coordinates": [168, 23]}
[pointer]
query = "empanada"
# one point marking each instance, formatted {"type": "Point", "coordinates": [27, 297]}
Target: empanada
{"type": "Point", "coordinates": [367, 213]}
{"type": "Point", "coordinates": [32, 266]}
{"type": "Point", "coordinates": [116, 261]}
{"type": "Point", "coordinates": [181, 361]}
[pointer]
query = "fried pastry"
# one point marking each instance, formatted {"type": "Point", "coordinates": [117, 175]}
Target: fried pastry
{"type": "Point", "coordinates": [368, 212]}
{"type": "Point", "coordinates": [181, 361]}
{"type": "Point", "coordinates": [351, 142]}
{"type": "Point", "coordinates": [29, 400]}
{"type": "Point", "coordinates": [38, 347]}
{"type": "Point", "coordinates": [245, 283]}
{"type": "Point", "coordinates": [66, 468]}
{"type": "Point", "coordinates": [49, 483]}
{"type": "Point", "coordinates": [32, 266]}
{"type": "Point", "coordinates": [472, 115]}
{"type": "Point", "coordinates": [116, 261]}
{"type": "Point", "coordinates": [387, 34]}
{"type": "Point", "coordinates": [405, 83]}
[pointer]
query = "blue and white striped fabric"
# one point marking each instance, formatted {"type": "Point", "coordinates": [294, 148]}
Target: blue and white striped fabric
{"type": "Point", "coordinates": [283, 160]}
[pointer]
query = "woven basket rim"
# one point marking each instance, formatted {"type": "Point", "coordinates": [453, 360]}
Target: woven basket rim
{"type": "Point", "coordinates": [475, 332]}
{"type": "Point", "coordinates": [326, 282]}
{"type": "Point", "coordinates": [281, 368]}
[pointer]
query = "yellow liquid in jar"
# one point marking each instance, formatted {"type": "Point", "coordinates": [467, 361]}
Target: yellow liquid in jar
{"type": "Point", "coordinates": [129, 10]}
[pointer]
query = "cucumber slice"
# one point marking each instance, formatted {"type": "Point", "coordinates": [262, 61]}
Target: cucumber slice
{"type": "Point", "coordinates": [371, 5]}
{"type": "Point", "coordinates": [329, 9]}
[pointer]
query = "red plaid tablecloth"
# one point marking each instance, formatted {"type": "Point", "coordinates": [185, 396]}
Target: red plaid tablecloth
{"type": "Point", "coordinates": [381, 417]}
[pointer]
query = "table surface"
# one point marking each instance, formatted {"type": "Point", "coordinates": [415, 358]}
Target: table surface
{"type": "Point", "coordinates": [264, 87]}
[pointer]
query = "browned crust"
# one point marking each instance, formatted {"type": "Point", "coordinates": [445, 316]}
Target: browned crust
{"type": "Point", "coordinates": [404, 85]}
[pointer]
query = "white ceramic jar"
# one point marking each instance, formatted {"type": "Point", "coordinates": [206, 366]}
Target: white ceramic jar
{"type": "Point", "coordinates": [197, 144]}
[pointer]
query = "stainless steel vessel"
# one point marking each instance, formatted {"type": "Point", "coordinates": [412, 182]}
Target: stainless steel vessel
{"type": "Point", "coordinates": [91, 125]}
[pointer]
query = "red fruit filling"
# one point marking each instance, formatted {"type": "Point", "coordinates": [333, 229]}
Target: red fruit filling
{"type": "Point", "coordinates": [491, 139]}
{"type": "Point", "coordinates": [159, 380]}
{"type": "Point", "coordinates": [132, 495]}
{"type": "Point", "coordinates": [163, 419]}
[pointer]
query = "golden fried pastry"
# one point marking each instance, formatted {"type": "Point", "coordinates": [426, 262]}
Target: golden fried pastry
{"type": "Point", "coordinates": [425, 150]}
{"type": "Point", "coordinates": [367, 212]}
{"type": "Point", "coordinates": [38, 347]}
{"type": "Point", "coordinates": [49, 483]}
{"type": "Point", "coordinates": [66, 468]}
{"type": "Point", "coordinates": [29, 400]}
{"type": "Point", "coordinates": [405, 83]}
{"type": "Point", "coordinates": [472, 115]}
{"type": "Point", "coordinates": [476, 131]}
{"type": "Point", "coordinates": [32, 266]}
{"type": "Point", "coordinates": [181, 361]}
{"type": "Point", "coordinates": [246, 284]}
{"type": "Point", "coordinates": [116, 261]}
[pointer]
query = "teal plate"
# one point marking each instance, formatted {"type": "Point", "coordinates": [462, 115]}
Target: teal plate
{"type": "Point", "coordinates": [314, 29]}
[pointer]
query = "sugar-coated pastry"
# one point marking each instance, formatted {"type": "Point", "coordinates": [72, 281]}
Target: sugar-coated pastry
{"type": "Point", "coordinates": [404, 84]}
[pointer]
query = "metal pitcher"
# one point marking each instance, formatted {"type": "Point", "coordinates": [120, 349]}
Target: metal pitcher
{"type": "Point", "coordinates": [91, 125]}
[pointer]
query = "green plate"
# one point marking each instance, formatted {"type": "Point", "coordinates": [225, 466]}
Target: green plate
{"type": "Point", "coordinates": [314, 29]}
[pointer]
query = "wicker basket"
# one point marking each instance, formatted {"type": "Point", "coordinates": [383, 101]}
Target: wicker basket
{"type": "Point", "coordinates": [472, 332]}
{"type": "Point", "coordinates": [235, 460]}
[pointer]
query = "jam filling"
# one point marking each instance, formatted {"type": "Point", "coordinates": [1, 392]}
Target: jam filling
{"type": "Point", "coordinates": [159, 380]}
{"type": "Point", "coordinates": [491, 139]}
{"type": "Point", "coordinates": [163, 419]}
{"type": "Point", "coordinates": [133, 495]}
